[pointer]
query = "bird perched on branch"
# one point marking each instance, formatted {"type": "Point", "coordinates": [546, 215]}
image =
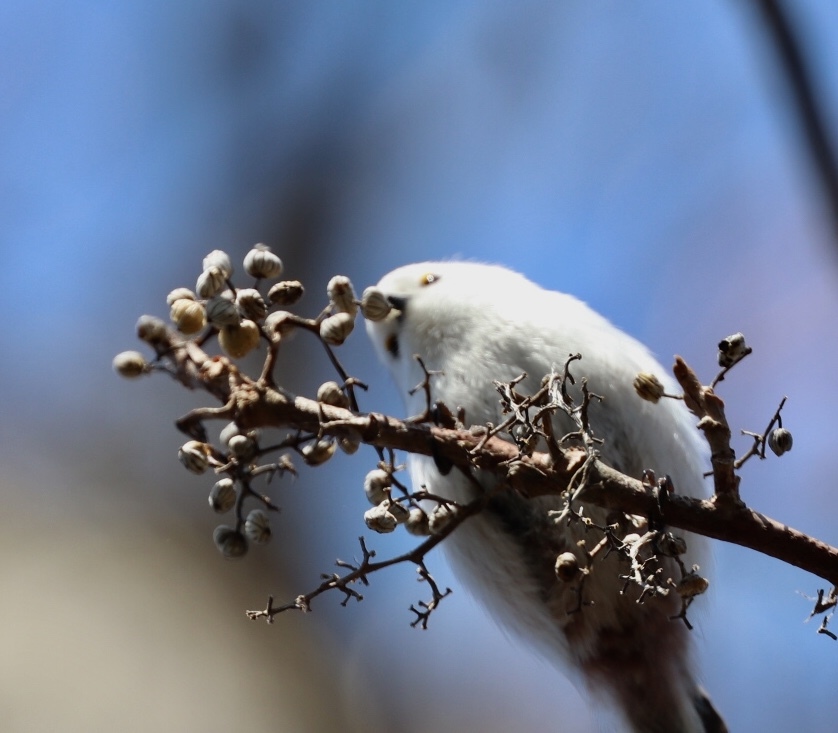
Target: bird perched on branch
{"type": "Point", "coordinates": [477, 324]}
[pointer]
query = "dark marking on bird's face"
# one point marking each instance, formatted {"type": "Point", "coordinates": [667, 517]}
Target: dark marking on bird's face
{"type": "Point", "coordinates": [391, 343]}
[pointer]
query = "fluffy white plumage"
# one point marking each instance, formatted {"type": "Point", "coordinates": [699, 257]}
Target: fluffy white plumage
{"type": "Point", "coordinates": [478, 323]}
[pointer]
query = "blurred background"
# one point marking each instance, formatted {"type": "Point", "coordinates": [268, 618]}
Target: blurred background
{"type": "Point", "coordinates": [645, 156]}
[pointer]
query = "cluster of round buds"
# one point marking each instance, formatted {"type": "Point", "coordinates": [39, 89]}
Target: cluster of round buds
{"type": "Point", "coordinates": [648, 387]}
{"type": "Point", "coordinates": [235, 313]}
{"type": "Point", "coordinates": [732, 349]}
{"type": "Point", "coordinates": [780, 441]}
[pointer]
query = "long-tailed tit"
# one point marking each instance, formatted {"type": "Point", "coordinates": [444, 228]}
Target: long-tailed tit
{"type": "Point", "coordinates": [479, 323]}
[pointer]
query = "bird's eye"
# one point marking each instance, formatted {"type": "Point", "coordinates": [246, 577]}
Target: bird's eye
{"type": "Point", "coordinates": [428, 279]}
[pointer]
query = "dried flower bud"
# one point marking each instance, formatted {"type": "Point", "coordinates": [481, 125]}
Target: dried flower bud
{"type": "Point", "coordinates": [188, 316]}
{"type": "Point", "coordinates": [221, 260]}
{"type": "Point", "coordinates": [342, 295]}
{"type": "Point", "coordinates": [222, 496]}
{"type": "Point", "coordinates": [374, 305]}
{"type": "Point", "coordinates": [671, 544]}
{"type": "Point", "coordinates": [335, 329]}
{"type": "Point", "coordinates": [400, 512]}
{"type": "Point", "coordinates": [418, 523]}
{"type": "Point", "coordinates": [379, 519]}
{"type": "Point", "coordinates": [441, 517]}
{"type": "Point", "coordinates": [195, 456]}
{"type": "Point", "coordinates": [238, 341]}
{"type": "Point", "coordinates": [230, 543]}
{"type": "Point", "coordinates": [222, 311]}
{"type": "Point", "coordinates": [567, 566]}
{"type": "Point", "coordinates": [692, 584]}
{"type": "Point", "coordinates": [228, 431]}
{"type": "Point", "coordinates": [780, 441]}
{"type": "Point", "coordinates": [286, 292]}
{"type": "Point", "coordinates": [318, 452]}
{"type": "Point", "coordinates": [257, 526]}
{"type": "Point", "coordinates": [349, 444]}
{"type": "Point", "coordinates": [130, 364]}
{"type": "Point", "coordinates": [260, 262]}
{"type": "Point", "coordinates": [251, 304]}
{"type": "Point", "coordinates": [179, 294]}
{"type": "Point", "coordinates": [242, 447]}
{"type": "Point", "coordinates": [152, 330]}
{"type": "Point", "coordinates": [376, 485]}
{"type": "Point", "coordinates": [330, 393]}
{"type": "Point", "coordinates": [648, 387]}
{"type": "Point", "coordinates": [732, 349]}
{"type": "Point", "coordinates": [210, 282]}
{"type": "Point", "coordinates": [279, 324]}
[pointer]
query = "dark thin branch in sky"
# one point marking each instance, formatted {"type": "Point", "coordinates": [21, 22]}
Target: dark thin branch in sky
{"type": "Point", "coordinates": [812, 118]}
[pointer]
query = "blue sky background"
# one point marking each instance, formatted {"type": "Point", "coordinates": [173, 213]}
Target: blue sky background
{"type": "Point", "coordinates": [641, 156]}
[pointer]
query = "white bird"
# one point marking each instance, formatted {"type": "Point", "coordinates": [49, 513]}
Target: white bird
{"type": "Point", "coordinates": [478, 323]}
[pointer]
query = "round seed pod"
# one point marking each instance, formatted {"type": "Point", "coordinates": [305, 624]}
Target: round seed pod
{"type": "Point", "coordinates": [222, 311]}
{"type": "Point", "coordinates": [221, 260]}
{"type": "Point", "coordinates": [188, 316]}
{"type": "Point", "coordinates": [379, 519]}
{"type": "Point", "coordinates": [239, 341]}
{"type": "Point", "coordinates": [179, 294]}
{"type": "Point", "coordinates": [130, 364]}
{"type": "Point", "coordinates": [342, 295]}
{"type": "Point", "coordinates": [257, 527]}
{"type": "Point", "coordinates": [194, 455]}
{"type": "Point", "coordinates": [648, 387]}
{"type": "Point", "coordinates": [286, 292]}
{"type": "Point", "coordinates": [318, 452]}
{"type": "Point", "coordinates": [210, 282]}
{"type": "Point", "coordinates": [251, 304]}
{"type": "Point", "coordinates": [376, 485]}
{"type": "Point", "coordinates": [230, 543]}
{"type": "Point", "coordinates": [152, 330]}
{"type": "Point", "coordinates": [567, 566]}
{"type": "Point", "coordinates": [222, 496]}
{"type": "Point", "coordinates": [260, 262]}
{"type": "Point", "coordinates": [780, 441]}
{"type": "Point", "coordinates": [335, 329]}
{"type": "Point", "coordinates": [418, 523]}
{"type": "Point", "coordinates": [330, 393]}
{"type": "Point", "coordinates": [732, 349]}
{"type": "Point", "coordinates": [374, 305]}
